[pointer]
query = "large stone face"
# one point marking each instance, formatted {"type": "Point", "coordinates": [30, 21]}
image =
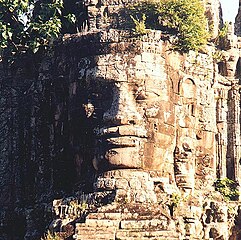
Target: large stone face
{"type": "Point", "coordinates": [168, 121]}
{"type": "Point", "coordinates": [136, 128]}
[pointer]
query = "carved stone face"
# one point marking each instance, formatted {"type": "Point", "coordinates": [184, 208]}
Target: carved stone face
{"type": "Point", "coordinates": [184, 154]}
{"type": "Point", "coordinates": [130, 100]}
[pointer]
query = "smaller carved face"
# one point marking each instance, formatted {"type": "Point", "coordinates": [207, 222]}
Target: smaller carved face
{"type": "Point", "coordinates": [184, 166]}
{"type": "Point", "coordinates": [184, 154]}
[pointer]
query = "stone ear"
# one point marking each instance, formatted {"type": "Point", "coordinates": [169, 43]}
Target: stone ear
{"type": "Point", "coordinates": [186, 147]}
{"type": "Point", "coordinates": [176, 150]}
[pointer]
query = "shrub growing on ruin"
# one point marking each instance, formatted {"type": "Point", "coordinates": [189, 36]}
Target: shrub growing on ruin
{"type": "Point", "coordinates": [228, 188]}
{"type": "Point", "coordinates": [140, 25]}
{"type": "Point", "coordinates": [184, 19]}
{"type": "Point", "coordinates": [222, 40]}
{"type": "Point", "coordinates": [66, 233]}
{"type": "Point", "coordinates": [51, 236]}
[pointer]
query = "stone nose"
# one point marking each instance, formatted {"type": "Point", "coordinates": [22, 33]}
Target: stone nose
{"type": "Point", "coordinates": [123, 109]}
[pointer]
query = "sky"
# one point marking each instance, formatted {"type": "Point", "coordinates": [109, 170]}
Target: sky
{"type": "Point", "coordinates": [230, 9]}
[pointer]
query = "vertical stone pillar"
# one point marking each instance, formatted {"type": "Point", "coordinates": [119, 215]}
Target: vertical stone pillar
{"type": "Point", "coordinates": [233, 121]}
{"type": "Point", "coordinates": [213, 16]}
{"type": "Point", "coordinates": [185, 150]}
{"type": "Point", "coordinates": [221, 136]}
{"type": "Point", "coordinates": [238, 21]}
{"type": "Point", "coordinates": [92, 13]}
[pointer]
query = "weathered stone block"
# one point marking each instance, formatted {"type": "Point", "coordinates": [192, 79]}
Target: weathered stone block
{"type": "Point", "coordinates": [101, 222]}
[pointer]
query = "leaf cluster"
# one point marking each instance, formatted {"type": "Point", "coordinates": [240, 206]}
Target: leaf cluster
{"type": "Point", "coordinates": [175, 199]}
{"type": "Point", "coordinates": [185, 19]}
{"type": "Point", "coordinates": [51, 236]}
{"type": "Point", "coordinates": [66, 233]}
{"type": "Point", "coordinates": [81, 206]}
{"type": "Point", "coordinates": [223, 32]}
{"type": "Point", "coordinates": [218, 56]}
{"type": "Point", "coordinates": [28, 25]}
{"type": "Point", "coordinates": [228, 188]}
{"type": "Point", "coordinates": [222, 39]}
{"type": "Point", "coordinates": [140, 25]}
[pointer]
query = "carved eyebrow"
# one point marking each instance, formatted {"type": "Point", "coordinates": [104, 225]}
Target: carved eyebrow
{"type": "Point", "coordinates": [153, 92]}
{"type": "Point", "coordinates": [137, 93]}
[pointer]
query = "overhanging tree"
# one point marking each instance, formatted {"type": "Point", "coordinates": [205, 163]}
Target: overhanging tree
{"type": "Point", "coordinates": [27, 25]}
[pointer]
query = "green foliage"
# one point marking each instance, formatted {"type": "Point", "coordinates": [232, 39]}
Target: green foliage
{"type": "Point", "coordinates": [175, 199]}
{"type": "Point", "coordinates": [81, 206]}
{"type": "Point", "coordinates": [228, 188]}
{"type": "Point", "coordinates": [51, 236]}
{"type": "Point", "coordinates": [140, 25]}
{"type": "Point", "coordinates": [28, 25]}
{"type": "Point", "coordinates": [223, 31]}
{"type": "Point", "coordinates": [148, 8]}
{"type": "Point", "coordinates": [218, 56]}
{"type": "Point", "coordinates": [231, 210]}
{"type": "Point", "coordinates": [185, 19]}
{"type": "Point", "coordinates": [221, 40]}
